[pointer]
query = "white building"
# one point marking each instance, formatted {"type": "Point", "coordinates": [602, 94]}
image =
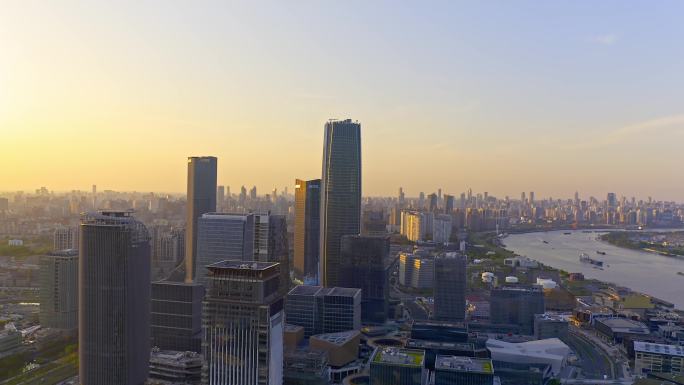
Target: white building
{"type": "Point", "coordinates": [441, 229]}
{"type": "Point", "coordinates": [551, 351]}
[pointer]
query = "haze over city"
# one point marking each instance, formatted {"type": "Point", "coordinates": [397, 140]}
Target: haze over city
{"type": "Point", "coordinates": [501, 97]}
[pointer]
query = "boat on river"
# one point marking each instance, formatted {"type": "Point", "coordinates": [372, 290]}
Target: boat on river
{"type": "Point", "coordinates": [585, 258]}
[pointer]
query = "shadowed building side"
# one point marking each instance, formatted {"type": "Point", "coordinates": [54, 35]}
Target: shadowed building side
{"type": "Point", "coordinates": [201, 200]}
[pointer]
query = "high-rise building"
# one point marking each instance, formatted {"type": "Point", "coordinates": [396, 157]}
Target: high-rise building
{"type": "Point", "coordinates": [516, 305]}
{"type": "Point", "coordinates": [307, 228]}
{"type": "Point", "coordinates": [223, 236]}
{"type": "Point", "coordinates": [365, 265]}
{"type": "Point", "coordinates": [176, 321]}
{"type": "Point", "coordinates": [401, 197]}
{"type": "Point", "coordinates": [341, 193]}
{"type": "Point", "coordinates": [4, 205]}
{"type": "Point", "coordinates": [432, 201]}
{"type": "Point", "coordinates": [59, 290]}
{"type": "Point", "coordinates": [324, 309]}
{"type": "Point", "coordinates": [450, 287]}
{"type": "Point", "coordinates": [448, 203]}
{"type": "Point", "coordinates": [393, 366]}
{"type": "Point", "coordinates": [253, 193]}
{"type": "Point", "coordinates": [220, 198]}
{"type": "Point", "coordinates": [242, 323]}
{"type": "Point", "coordinates": [271, 243]}
{"type": "Point", "coordinates": [114, 299]}
{"type": "Point", "coordinates": [441, 228]}
{"type": "Point", "coordinates": [201, 200]}
{"type": "Point", "coordinates": [65, 238]}
{"type": "Point", "coordinates": [612, 200]}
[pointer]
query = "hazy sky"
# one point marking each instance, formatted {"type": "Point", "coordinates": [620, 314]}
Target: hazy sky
{"type": "Point", "coordinates": [499, 96]}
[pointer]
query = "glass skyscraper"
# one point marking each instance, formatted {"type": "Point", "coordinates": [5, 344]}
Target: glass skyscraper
{"type": "Point", "coordinates": [201, 200]}
{"type": "Point", "coordinates": [450, 287]}
{"type": "Point", "coordinates": [341, 194]}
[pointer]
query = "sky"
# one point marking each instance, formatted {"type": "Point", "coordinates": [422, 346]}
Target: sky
{"type": "Point", "coordinates": [498, 96]}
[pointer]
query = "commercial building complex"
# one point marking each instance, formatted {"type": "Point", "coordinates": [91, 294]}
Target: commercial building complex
{"type": "Point", "coordinates": [176, 320]}
{"type": "Point", "coordinates": [550, 351]}
{"type": "Point", "coordinates": [324, 309]}
{"type": "Point", "coordinates": [393, 366]}
{"type": "Point", "coordinates": [451, 370]}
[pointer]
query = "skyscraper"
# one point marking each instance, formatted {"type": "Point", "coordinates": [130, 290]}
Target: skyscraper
{"type": "Point", "coordinates": [220, 197]}
{"type": "Point", "coordinates": [176, 321]}
{"type": "Point", "coordinates": [201, 200]}
{"type": "Point", "coordinates": [243, 323]}
{"type": "Point", "coordinates": [448, 203]}
{"type": "Point", "coordinates": [432, 201]}
{"type": "Point", "coordinates": [223, 236]}
{"type": "Point", "coordinates": [341, 193]}
{"type": "Point", "coordinates": [517, 305]}
{"type": "Point", "coordinates": [450, 287]}
{"type": "Point", "coordinates": [59, 290]}
{"type": "Point", "coordinates": [114, 299]}
{"type": "Point", "coordinates": [65, 238]}
{"type": "Point", "coordinates": [307, 227]}
{"type": "Point", "coordinates": [324, 309]}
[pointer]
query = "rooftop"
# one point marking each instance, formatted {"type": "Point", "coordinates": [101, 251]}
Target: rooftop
{"type": "Point", "coordinates": [242, 265]}
{"type": "Point", "coordinates": [624, 325]}
{"type": "Point", "coordinates": [339, 339]}
{"type": "Point", "coordinates": [425, 344]}
{"type": "Point", "coordinates": [394, 356]}
{"type": "Point", "coordinates": [648, 347]}
{"type": "Point", "coordinates": [464, 364]}
{"type": "Point", "coordinates": [319, 290]}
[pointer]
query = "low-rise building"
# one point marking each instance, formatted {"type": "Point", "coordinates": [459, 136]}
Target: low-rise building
{"type": "Point", "coordinates": [342, 348]}
{"type": "Point", "coordinates": [616, 329]}
{"type": "Point", "coordinates": [551, 351]}
{"type": "Point", "coordinates": [392, 366]}
{"type": "Point", "coordinates": [172, 367]}
{"type": "Point", "coordinates": [9, 340]}
{"type": "Point", "coordinates": [463, 370]}
{"type": "Point", "coordinates": [550, 326]}
{"type": "Point", "coordinates": [650, 357]}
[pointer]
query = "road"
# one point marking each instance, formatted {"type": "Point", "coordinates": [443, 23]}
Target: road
{"type": "Point", "coordinates": [593, 362]}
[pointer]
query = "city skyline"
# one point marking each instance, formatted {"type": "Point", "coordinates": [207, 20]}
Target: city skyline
{"type": "Point", "coordinates": [587, 94]}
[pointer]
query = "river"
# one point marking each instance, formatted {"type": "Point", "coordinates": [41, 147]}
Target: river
{"type": "Point", "coordinates": [649, 273]}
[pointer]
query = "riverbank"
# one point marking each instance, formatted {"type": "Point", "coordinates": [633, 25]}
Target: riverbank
{"type": "Point", "coordinates": [636, 242]}
{"type": "Point", "coordinates": [652, 274]}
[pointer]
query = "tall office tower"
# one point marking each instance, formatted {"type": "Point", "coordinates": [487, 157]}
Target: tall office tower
{"type": "Point", "coordinates": [516, 305]}
{"type": "Point", "coordinates": [365, 265]}
{"type": "Point", "coordinates": [612, 200]}
{"type": "Point", "coordinates": [324, 309]}
{"type": "Point", "coordinates": [201, 200]}
{"type": "Point", "coordinates": [243, 195]}
{"type": "Point", "coordinates": [94, 197]}
{"type": "Point", "coordinates": [448, 203]}
{"type": "Point", "coordinates": [439, 194]}
{"type": "Point", "coordinates": [114, 299]}
{"type": "Point", "coordinates": [421, 200]}
{"type": "Point", "coordinates": [253, 193]}
{"type": "Point", "coordinates": [220, 198]}
{"type": "Point", "coordinates": [65, 238]}
{"type": "Point", "coordinates": [59, 290]}
{"type": "Point", "coordinates": [531, 197]}
{"type": "Point", "coordinates": [462, 203]}
{"type": "Point", "coordinates": [432, 201]}
{"type": "Point", "coordinates": [307, 228]}
{"type": "Point", "coordinates": [223, 236]}
{"type": "Point", "coordinates": [402, 197]}
{"type": "Point", "coordinates": [176, 322]}
{"type": "Point", "coordinates": [341, 193]}
{"type": "Point", "coordinates": [242, 323]}
{"type": "Point", "coordinates": [450, 287]}
{"type": "Point", "coordinates": [522, 198]}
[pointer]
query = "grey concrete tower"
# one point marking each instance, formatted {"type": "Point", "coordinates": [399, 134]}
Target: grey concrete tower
{"type": "Point", "coordinates": [201, 200]}
{"type": "Point", "coordinates": [340, 194]}
{"type": "Point", "coordinates": [114, 299]}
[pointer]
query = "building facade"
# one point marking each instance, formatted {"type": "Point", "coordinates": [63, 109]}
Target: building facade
{"type": "Point", "coordinates": [176, 319]}
{"type": "Point", "coordinates": [307, 228]}
{"type": "Point", "coordinates": [450, 287]}
{"type": "Point", "coordinates": [243, 324]}
{"type": "Point", "coordinates": [516, 305]}
{"type": "Point", "coordinates": [365, 266]}
{"type": "Point", "coordinates": [322, 310]}
{"type": "Point", "coordinates": [201, 199]}
{"type": "Point", "coordinates": [392, 366]}
{"type": "Point", "coordinates": [340, 194]}
{"type": "Point", "coordinates": [650, 357]}
{"type": "Point", "coordinates": [114, 299]}
{"type": "Point", "coordinates": [65, 238]}
{"type": "Point", "coordinates": [59, 290]}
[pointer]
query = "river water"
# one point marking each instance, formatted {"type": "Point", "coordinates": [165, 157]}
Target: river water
{"type": "Point", "coordinates": [649, 273]}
